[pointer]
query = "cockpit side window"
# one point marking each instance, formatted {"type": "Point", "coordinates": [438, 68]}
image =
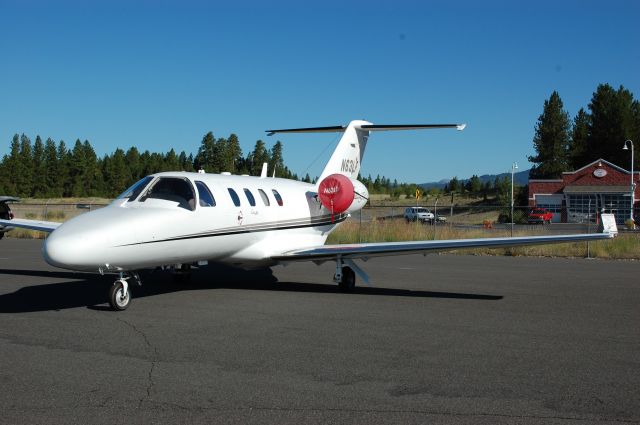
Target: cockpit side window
{"type": "Point", "coordinates": [135, 189]}
{"type": "Point", "coordinates": [175, 189]}
{"type": "Point", "coordinates": [206, 198]}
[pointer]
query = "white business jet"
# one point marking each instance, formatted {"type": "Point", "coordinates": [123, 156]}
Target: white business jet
{"type": "Point", "coordinates": [175, 219]}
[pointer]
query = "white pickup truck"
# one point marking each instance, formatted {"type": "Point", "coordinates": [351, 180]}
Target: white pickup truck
{"type": "Point", "coordinates": [418, 213]}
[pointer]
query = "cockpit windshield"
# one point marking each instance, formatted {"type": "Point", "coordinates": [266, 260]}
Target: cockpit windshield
{"type": "Point", "coordinates": [135, 189]}
{"type": "Point", "coordinates": [174, 189]}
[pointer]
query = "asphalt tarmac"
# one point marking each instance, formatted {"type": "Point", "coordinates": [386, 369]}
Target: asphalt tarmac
{"type": "Point", "coordinates": [436, 339]}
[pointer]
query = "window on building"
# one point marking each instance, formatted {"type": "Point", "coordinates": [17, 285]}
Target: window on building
{"type": "Point", "coordinates": [234, 197]}
{"type": "Point", "coordinates": [206, 198]}
{"type": "Point", "coordinates": [277, 196]}
{"type": "Point", "coordinates": [582, 207]}
{"type": "Point", "coordinates": [264, 197]}
{"type": "Point", "coordinates": [250, 198]}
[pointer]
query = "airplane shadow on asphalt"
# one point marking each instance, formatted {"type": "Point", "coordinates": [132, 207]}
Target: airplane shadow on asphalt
{"type": "Point", "coordinates": [90, 290]}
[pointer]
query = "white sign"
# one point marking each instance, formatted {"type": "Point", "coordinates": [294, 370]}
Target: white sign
{"type": "Point", "coordinates": [600, 172]}
{"type": "Point", "coordinates": [609, 223]}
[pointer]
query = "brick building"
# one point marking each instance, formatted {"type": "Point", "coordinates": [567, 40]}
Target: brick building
{"type": "Point", "coordinates": [596, 187]}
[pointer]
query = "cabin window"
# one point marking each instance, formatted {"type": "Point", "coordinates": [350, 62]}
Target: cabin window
{"type": "Point", "coordinates": [234, 197]}
{"type": "Point", "coordinates": [277, 196]}
{"type": "Point", "coordinates": [250, 198]}
{"type": "Point", "coordinates": [135, 189]}
{"type": "Point", "coordinates": [206, 198]}
{"type": "Point", "coordinates": [264, 197]}
{"type": "Point", "coordinates": [174, 189]}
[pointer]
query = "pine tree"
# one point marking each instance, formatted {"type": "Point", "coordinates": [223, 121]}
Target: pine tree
{"type": "Point", "coordinates": [615, 117]}
{"type": "Point", "coordinates": [579, 152]}
{"type": "Point", "coordinates": [13, 167]}
{"type": "Point", "coordinates": [24, 173]}
{"type": "Point", "coordinates": [63, 169]}
{"type": "Point", "coordinates": [77, 168]}
{"type": "Point", "coordinates": [134, 164]}
{"type": "Point", "coordinates": [206, 154]}
{"type": "Point", "coordinates": [171, 162]}
{"type": "Point", "coordinates": [474, 185]}
{"type": "Point", "coordinates": [276, 161]}
{"type": "Point", "coordinates": [92, 171]}
{"type": "Point", "coordinates": [503, 190]}
{"type": "Point", "coordinates": [116, 173]}
{"type": "Point", "coordinates": [259, 156]}
{"type": "Point", "coordinates": [39, 177]}
{"type": "Point", "coordinates": [551, 140]}
{"type": "Point", "coordinates": [454, 185]}
{"type": "Point", "coordinates": [51, 172]}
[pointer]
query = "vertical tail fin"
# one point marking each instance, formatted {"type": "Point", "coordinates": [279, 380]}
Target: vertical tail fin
{"type": "Point", "coordinates": [347, 156]}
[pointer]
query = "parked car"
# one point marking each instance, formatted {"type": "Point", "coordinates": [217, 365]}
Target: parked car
{"type": "Point", "coordinates": [539, 216]}
{"type": "Point", "coordinates": [441, 218]}
{"type": "Point", "coordinates": [418, 213]}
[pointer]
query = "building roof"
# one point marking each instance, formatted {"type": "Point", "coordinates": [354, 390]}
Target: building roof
{"type": "Point", "coordinates": [599, 162]}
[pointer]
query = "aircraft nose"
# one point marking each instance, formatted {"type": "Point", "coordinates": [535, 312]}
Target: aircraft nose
{"type": "Point", "coordinates": [63, 251]}
{"type": "Point", "coordinates": [68, 249]}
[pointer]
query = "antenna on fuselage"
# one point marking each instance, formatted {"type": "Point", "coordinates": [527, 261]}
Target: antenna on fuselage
{"type": "Point", "coordinates": [263, 174]}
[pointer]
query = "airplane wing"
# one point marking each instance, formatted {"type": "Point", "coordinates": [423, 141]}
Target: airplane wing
{"type": "Point", "coordinates": [43, 226]}
{"type": "Point", "coordinates": [367, 250]}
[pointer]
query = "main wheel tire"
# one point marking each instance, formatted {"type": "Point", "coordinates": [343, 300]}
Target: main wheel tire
{"type": "Point", "coordinates": [117, 300]}
{"type": "Point", "coordinates": [348, 281]}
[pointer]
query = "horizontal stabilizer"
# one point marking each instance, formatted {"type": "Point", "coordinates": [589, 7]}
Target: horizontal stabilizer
{"type": "Point", "coordinates": [382, 127]}
{"type": "Point", "coordinates": [367, 127]}
{"type": "Point", "coordinates": [331, 129]}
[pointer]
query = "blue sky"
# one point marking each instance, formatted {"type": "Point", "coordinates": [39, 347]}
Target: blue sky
{"type": "Point", "coordinates": [160, 74]}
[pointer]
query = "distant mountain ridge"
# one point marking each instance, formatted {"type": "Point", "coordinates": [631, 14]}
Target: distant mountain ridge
{"type": "Point", "coordinates": [520, 178]}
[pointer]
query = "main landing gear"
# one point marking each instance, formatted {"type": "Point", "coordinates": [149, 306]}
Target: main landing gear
{"type": "Point", "coordinates": [120, 293]}
{"type": "Point", "coordinates": [345, 275]}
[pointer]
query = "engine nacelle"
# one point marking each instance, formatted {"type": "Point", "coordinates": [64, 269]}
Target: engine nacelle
{"type": "Point", "coordinates": [339, 193]}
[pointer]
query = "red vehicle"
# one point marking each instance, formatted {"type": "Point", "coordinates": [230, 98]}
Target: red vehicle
{"type": "Point", "coordinates": [539, 215]}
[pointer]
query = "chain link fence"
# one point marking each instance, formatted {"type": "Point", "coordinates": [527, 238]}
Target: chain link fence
{"type": "Point", "coordinates": [53, 211]}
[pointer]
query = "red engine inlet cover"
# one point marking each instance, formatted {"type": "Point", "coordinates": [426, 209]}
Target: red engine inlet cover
{"type": "Point", "coordinates": [336, 193]}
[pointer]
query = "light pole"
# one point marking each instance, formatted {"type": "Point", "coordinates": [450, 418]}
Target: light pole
{"type": "Point", "coordinates": [514, 167]}
{"type": "Point", "coordinates": [633, 185]}
{"type": "Point", "coordinates": [435, 217]}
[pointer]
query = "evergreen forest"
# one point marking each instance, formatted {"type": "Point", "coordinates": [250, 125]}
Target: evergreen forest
{"type": "Point", "coordinates": [50, 169]}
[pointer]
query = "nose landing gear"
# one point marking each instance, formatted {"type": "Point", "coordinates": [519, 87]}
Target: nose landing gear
{"type": "Point", "coordinates": [120, 293]}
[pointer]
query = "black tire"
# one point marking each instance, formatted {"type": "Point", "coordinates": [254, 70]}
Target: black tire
{"type": "Point", "coordinates": [116, 301]}
{"type": "Point", "coordinates": [348, 281]}
{"type": "Point", "coordinates": [1, 235]}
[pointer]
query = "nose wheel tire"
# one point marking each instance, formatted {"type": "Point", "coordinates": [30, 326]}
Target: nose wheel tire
{"type": "Point", "coordinates": [119, 298]}
{"type": "Point", "coordinates": [348, 280]}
